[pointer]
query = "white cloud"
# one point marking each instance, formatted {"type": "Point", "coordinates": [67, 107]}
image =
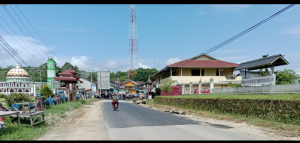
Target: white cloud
{"type": "Point", "coordinates": [292, 30]}
{"type": "Point", "coordinates": [81, 62]}
{"type": "Point", "coordinates": [297, 71]}
{"type": "Point", "coordinates": [29, 49]}
{"type": "Point", "coordinates": [143, 66]}
{"type": "Point", "coordinates": [230, 7]}
{"type": "Point", "coordinates": [172, 60]}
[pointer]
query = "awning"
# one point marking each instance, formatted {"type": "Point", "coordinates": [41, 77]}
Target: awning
{"type": "Point", "coordinates": [275, 60]}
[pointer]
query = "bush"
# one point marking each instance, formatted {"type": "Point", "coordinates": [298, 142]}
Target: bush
{"type": "Point", "coordinates": [82, 101]}
{"type": "Point", "coordinates": [158, 91]}
{"type": "Point", "coordinates": [17, 98]}
{"type": "Point", "coordinates": [46, 91]}
{"type": "Point", "coordinates": [2, 96]}
{"type": "Point", "coordinates": [285, 111]}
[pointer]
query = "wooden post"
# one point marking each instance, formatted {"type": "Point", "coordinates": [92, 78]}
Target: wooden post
{"type": "Point", "coordinates": [18, 120]}
{"type": "Point", "coordinates": [74, 92]}
{"type": "Point", "coordinates": [43, 118]}
{"type": "Point", "coordinates": [31, 122]}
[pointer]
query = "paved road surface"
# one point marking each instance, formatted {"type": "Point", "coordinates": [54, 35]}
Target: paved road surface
{"type": "Point", "coordinates": [134, 122]}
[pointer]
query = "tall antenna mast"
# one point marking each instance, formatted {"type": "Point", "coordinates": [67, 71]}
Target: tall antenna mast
{"type": "Point", "coordinates": [133, 42]}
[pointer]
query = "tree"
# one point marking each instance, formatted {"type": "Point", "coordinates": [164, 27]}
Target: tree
{"type": "Point", "coordinates": [233, 85]}
{"type": "Point", "coordinates": [46, 91]}
{"type": "Point", "coordinates": [166, 86]}
{"type": "Point", "coordinates": [66, 66]}
{"type": "Point", "coordinates": [285, 77]}
{"type": "Point", "coordinates": [266, 71]}
{"type": "Point", "coordinates": [121, 79]}
{"type": "Point", "coordinates": [143, 74]}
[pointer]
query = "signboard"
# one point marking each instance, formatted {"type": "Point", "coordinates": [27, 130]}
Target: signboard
{"type": "Point", "coordinates": [55, 83]}
{"type": "Point", "coordinates": [103, 80]}
{"type": "Point", "coordinates": [94, 88]}
{"type": "Point", "coordinates": [259, 81]}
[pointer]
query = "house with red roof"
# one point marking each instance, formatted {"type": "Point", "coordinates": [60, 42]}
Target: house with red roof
{"type": "Point", "coordinates": [201, 67]}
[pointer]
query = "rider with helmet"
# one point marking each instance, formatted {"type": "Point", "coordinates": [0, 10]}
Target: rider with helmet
{"type": "Point", "coordinates": [115, 100]}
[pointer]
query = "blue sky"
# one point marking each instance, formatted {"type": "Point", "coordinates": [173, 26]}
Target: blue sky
{"type": "Point", "coordinates": [96, 36]}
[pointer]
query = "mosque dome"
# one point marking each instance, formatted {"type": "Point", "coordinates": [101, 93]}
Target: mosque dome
{"type": "Point", "coordinates": [17, 72]}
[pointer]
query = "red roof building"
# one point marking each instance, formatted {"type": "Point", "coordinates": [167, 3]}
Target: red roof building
{"type": "Point", "coordinates": [69, 77]}
{"type": "Point", "coordinates": [199, 68]}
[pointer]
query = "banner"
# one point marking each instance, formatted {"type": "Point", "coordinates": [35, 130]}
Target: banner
{"type": "Point", "coordinates": [103, 80]}
{"type": "Point", "coordinates": [267, 80]}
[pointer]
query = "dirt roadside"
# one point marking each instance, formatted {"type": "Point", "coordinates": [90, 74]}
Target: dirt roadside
{"type": "Point", "coordinates": [255, 131]}
{"type": "Point", "coordinates": [86, 123]}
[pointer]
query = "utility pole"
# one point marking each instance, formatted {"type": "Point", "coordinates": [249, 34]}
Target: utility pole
{"type": "Point", "coordinates": [40, 75]}
{"type": "Point", "coordinates": [154, 62]}
{"type": "Point", "coordinates": [91, 82]}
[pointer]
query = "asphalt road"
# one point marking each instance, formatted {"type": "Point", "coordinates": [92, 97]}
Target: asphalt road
{"type": "Point", "coordinates": [134, 122]}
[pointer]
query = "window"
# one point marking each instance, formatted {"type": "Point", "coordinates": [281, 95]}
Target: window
{"type": "Point", "coordinates": [202, 72]}
{"type": "Point", "coordinates": [195, 72]}
{"type": "Point", "coordinates": [299, 81]}
{"type": "Point", "coordinates": [217, 72]}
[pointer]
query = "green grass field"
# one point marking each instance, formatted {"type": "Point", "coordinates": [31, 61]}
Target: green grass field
{"type": "Point", "coordinates": [272, 97]}
{"type": "Point", "coordinates": [2, 99]}
{"type": "Point", "coordinates": [26, 133]}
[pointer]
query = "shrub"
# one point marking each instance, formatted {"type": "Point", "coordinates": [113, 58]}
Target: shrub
{"type": "Point", "coordinates": [2, 96]}
{"type": "Point", "coordinates": [285, 111]}
{"type": "Point", "coordinates": [17, 98]}
{"type": "Point", "coordinates": [158, 91]}
{"type": "Point", "coordinates": [46, 91]}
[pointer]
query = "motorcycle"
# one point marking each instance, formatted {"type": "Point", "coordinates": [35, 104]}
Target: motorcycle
{"type": "Point", "coordinates": [115, 106]}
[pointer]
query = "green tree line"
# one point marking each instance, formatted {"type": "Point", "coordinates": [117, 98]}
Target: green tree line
{"type": "Point", "coordinates": [35, 76]}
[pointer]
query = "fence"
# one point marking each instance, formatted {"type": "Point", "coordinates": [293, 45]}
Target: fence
{"type": "Point", "coordinates": [256, 89]}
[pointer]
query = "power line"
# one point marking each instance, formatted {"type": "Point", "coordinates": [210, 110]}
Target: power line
{"type": "Point", "coordinates": [248, 30]}
{"type": "Point", "coordinates": [16, 40]}
{"type": "Point", "coordinates": [15, 33]}
{"type": "Point", "coordinates": [20, 28]}
{"type": "Point", "coordinates": [14, 54]}
{"type": "Point", "coordinates": [9, 52]}
{"type": "Point", "coordinates": [26, 28]}
{"type": "Point", "coordinates": [36, 31]}
{"type": "Point", "coordinates": [13, 51]}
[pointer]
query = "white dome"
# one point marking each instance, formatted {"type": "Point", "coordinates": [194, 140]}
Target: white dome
{"type": "Point", "coordinates": [17, 72]}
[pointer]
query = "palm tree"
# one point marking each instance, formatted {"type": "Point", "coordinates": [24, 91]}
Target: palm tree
{"type": "Point", "coordinates": [266, 71]}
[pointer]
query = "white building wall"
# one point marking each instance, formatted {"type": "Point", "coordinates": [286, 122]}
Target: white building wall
{"type": "Point", "coordinates": [86, 84]}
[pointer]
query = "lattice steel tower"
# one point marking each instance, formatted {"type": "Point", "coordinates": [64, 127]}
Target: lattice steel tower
{"type": "Point", "coordinates": [133, 42]}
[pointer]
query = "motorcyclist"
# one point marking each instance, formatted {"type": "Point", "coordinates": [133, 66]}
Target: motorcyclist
{"type": "Point", "coordinates": [112, 103]}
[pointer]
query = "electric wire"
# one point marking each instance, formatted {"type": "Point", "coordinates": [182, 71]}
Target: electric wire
{"type": "Point", "coordinates": [27, 30]}
{"type": "Point", "coordinates": [19, 43]}
{"type": "Point", "coordinates": [248, 30]}
{"type": "Point", "coordinates": [21, 29]}
{"type": "Point", "coordinates": [13, 51]}
{"type": "Point", "coordinates": [36, 31]}
{"type": "Point", "coordinates": [17, 35]}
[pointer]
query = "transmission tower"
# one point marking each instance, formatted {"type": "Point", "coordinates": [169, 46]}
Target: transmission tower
{"type": "Point", "coordinates": [133, 42]}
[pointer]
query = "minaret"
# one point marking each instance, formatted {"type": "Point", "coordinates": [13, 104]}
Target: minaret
{"type": "Point", "coordinates": [50, 71]}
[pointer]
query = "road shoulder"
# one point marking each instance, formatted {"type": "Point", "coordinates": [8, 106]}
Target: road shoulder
{"type": "Point", "coordinates": [86, 123]}
{"type": "Point", "coordinates": [240, 127]}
